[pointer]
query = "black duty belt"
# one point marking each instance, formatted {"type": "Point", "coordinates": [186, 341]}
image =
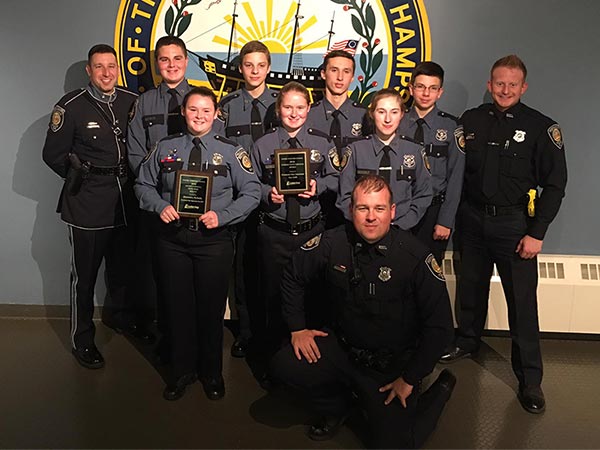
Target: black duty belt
{"type": "Point", "coordinates": [438, 199]}
{"type": "Point", "coordinates": [494, 210]}
{"type": "Point", "coordinates": [117, 171]}
{"type": "Point", "coordinates": [281, 225]}
{"type": "Point", "coordinates": [379, 360]}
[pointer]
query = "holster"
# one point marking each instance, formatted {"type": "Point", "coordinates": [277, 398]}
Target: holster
{"type": "Point", "coordinates": [76, 174]}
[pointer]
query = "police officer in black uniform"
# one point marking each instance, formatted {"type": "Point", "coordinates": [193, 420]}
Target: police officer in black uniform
{"type": "Point", "coordinates": [392, 321]}
{"type": "Point", "coordinates": [246, 115]}
{"type": "Point", "coordinates": [85, 144]}
{"type": "Point", "coordinates": [345, 121]}
{"type": "Point", "coordinates": [195, 253]}
{"type": "Point", "coordinates": [444, 153]}
{"type": "Point", "coordinates": [511, 150]}
{"type": "Point", "coordinates": [397, 158]}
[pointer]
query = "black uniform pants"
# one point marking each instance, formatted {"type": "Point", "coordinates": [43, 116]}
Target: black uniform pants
{"type": "Point", "coordinates": [246, 274]}
{"type": "Point", "coordinates": [88, 248]}
{"type": "Point", "coordinates": [329, 384]}
{"type": "Point", "coordinates": [275, 249]}
{"type": "Point", "coordinates": [486, 241]}
{"type": "Point", "coordinates": [194, 267]}
{"type": "Point", "coordinates": [424, 231]}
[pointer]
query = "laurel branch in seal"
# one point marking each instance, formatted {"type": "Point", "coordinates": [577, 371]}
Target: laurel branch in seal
{"type": "Point", "coordinates": [370, 59]}
{"type": "Point", "coordinates": [177, 19]}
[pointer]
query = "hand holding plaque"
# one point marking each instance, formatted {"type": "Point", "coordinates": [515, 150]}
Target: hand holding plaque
{"type": "Point", "coordinates": [192, 193]}
{"type": "Point", "coordinates": [292, 170]}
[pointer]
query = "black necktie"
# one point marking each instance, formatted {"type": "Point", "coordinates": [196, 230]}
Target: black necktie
{"type": "Point", "coordinates": [491, 167]}
{"type": "Point", "coordinates": [256, 125]}
{"type": "Point", "coordinates": [385, 165]}
{"type": "Point", "coordinates": [419, 134]}
{"type": "Point", "coordinates": [195, 161]}
{"type": "Point", "coordinates": [291, 201]}
{"type": "Point", "coordinates": [175, 122]}
{"type": "Point", "coordinates": [335, 132]}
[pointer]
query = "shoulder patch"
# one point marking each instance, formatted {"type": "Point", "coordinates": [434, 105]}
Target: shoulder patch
{"type": "Point", "coordinates": [450, 116]}
{"type": "Point", "coordinates": [313, 243]}
{"type": "Point", "coordinates": [335, 161]}
{"type": "Point", "coordinates": [57, 118]}
{"type": "Point", "coordinates": [434, 267]}
{"type": "Point", "coordinates": [556, 135]}
{"type": "Point", "coordinates": [459, 137]}
{"type": "Point", "coordinates": [244, 160]}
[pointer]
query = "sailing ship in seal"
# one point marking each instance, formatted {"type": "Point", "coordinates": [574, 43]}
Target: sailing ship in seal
{"type": "Point", "coordinates": [224, 75]}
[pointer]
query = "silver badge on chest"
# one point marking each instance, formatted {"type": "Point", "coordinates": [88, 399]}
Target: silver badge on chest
{"type": "Point", "coordinates": [385, 274]}
{"type": "Point", "coordinates": [316, 156]}
{"type": "Point", "coordinates": [441, 135]}
{"type": "Point", "coordinates": [217, 159]}
{"type": "Point", "coordinates": [519, 136]}
{"type": "Point", "coordinates": [409, 161]}
{"type": "Point", "coordinates": [356, 129]}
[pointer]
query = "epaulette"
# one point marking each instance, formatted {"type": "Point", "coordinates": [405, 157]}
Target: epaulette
{"type": "Point", "coordinates": [358, 105]}
{"type": "Point", "coordinates": [448, 115]}
{"type": "Point", "coordinates": [407, 138]}
{"type": "Point", "coordinates": [225, 140]}
{"type": "Point", "coordinates": [228, 98]}
{"type": "Point", "coordinates": [315, 132]}
{"type": "Point", "coordinates": [274, 94]}
{"type": "Point", "coordinates": [317, 103]}
{"type": "Point", "coordinates": [126, 91]}
{"type": "Point", "coordinates": [271, 130]}
{"type": "Point", "coordinates": [171, 136]}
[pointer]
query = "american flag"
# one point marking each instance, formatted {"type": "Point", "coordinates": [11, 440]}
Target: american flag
{"type": "Point", "coordinates": [348, 45]}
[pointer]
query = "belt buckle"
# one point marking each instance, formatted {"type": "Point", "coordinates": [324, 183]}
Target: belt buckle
{"type": "Point", "coordinates": [490, 210]}
{"type": "Point", "coordinates": [294, 230]}
{"type": "Point", "coordinates": [193, 224]}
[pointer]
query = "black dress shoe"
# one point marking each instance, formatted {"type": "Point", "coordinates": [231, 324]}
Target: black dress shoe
{"type": "Point", "coordinates": [138, 332]}
{"type": "Point", "coordinates": [88, 357]}
{"type": "Point", "coordinates": [176, 390]}
{"type": "Point", "coordinates": [445, 381]}
{"type": "Point", "coordinates": [532, 399]}
{"type": "Point", "coordinates": [326, 427]}
{"type": "Point", "coordinates": [214, 388]}
{"type": "Point", "coordinates": [239, 348]}
{"type": "Point", "coordinates": [455, 354]}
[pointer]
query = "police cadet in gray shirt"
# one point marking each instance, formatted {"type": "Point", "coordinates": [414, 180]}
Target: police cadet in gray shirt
{"type": "Point", "coordinates": [343, 120]}
{"type": "Point", "coordinates": [398, 159]}
{"type": "Point", "coordinates": [195, 254]}
{"type": "Point", "coordinates": [286, 221]}
{"type": "Point", "coordinates": [157, 112]}
{"type": "Point", "coordinates": [245, 116]}
{"type": "Point", "coordinates": [444, 152]}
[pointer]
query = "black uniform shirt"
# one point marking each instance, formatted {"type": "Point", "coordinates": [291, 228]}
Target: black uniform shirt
{"type": "Point", "coordinates": [388, 295]}
{"type": "Point", "coordinates": [531, 155]}
{"type": "Point", "coordinates": [77, 126]}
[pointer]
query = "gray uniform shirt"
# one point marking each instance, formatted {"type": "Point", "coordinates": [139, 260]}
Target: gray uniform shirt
{"type": "Point", "coordinates": [235, 115]}
{"type": "Point", "coordinates": [235, 188]}
{"type": "Point", "coordinates": [320, 168]}
{"type": "Point", "coordinates": [443, 150]}
{"type": "Point", "coordinates": [149, 123]}
{"type": "Point", "coordinates": [409, 180]}
{"type": "Point", "coordinates": [354, 122]}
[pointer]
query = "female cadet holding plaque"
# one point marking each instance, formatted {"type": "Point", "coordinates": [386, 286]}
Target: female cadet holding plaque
{"type": "Point", "coordinates": [293, 164]}
{"type": "Point", "coordinates": [198, 183]}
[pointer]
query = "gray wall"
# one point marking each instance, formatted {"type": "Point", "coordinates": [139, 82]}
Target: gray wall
{"type": "Point", "coordinates": [44, 45]}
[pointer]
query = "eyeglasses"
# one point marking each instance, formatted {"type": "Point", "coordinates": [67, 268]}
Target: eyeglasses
{"type": "Point", "coordinates": [421, 88]}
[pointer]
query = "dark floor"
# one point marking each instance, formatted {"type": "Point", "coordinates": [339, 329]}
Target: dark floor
{"type": "Point", "coordinates": [48, 401]}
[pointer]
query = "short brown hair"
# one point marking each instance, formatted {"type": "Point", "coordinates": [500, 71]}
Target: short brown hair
{"type": "Point", "coordinates": [511, 61]}
{"type": "Point", "coordinates": [292, 86]}
{"type": "Point", "coordinates": [339, 54]}
{"type": "Point", "coordinates": [382, 93]}
{"type": "Point", "coordinates": [254, 47]}
{"type": "Point", "coordinates": [202, 91]}
{"type": "Point", "coordinates": [169, 40]}
{"type": "Point", "coordinates": [371, 183]}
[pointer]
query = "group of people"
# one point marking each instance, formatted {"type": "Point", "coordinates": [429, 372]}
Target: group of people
{"type": "Point", "coordinates": [338, 288]}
